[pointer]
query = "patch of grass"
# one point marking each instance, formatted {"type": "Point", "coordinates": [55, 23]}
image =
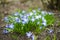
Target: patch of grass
{"type": "Point", "coordinates": [34, 21]}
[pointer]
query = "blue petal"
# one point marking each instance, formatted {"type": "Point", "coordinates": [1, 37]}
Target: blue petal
{"type": "Point", "coordinates": [5, 31]}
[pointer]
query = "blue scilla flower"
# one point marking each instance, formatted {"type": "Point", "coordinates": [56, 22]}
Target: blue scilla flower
{"type": "Point", "coordinates": [17, 19]}
{"type": "Point", "coordinates": [50, 13]}
{"type": "Point", "coordinates": [24, 18]}
{"type": "Point", "coordinates": [25, 21]}
{"type": "Point", "coordinates": [10, 26]}
{"type": "Point", "coordinates": [27, 15]}
{"type": "Point", "coordinates": [44, 13]}
{"type": "Point", "coordinates": [28, 34]}
{"type": "Point", "coordinates": [16, 14]}
{"type": "Point", "coordinates": [33, 37]}
{"type": "Point", "coordinates": [50, 31]}
{"type": "Point", "coordinates": [6, 19]}
{"type": "Point", "coordinates": [44, 21]}
{"type": "Point", "coordinates": [5, 31]}
{"type": "Point", "coordinates": [30, 13]}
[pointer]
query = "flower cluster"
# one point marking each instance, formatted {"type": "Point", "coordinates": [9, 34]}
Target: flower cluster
{"type": "Point", "coordinates": [23, 21]}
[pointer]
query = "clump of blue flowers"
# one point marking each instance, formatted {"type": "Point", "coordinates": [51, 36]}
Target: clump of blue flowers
{"type": "Point", "coordinates": [23, 21]}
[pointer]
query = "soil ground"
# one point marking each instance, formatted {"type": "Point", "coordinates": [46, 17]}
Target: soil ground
{"type": "Point", "coordinates": [8, 8]}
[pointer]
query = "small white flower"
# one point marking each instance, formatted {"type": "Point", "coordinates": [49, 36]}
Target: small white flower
{"type": "Point", "coordinates": [37, 17]}
{"type": "Point", "coordinates": [49, 13]}
{"type": "Point", "coordinates": [31, 13]}
{"type": "Point", "coordinates": [23, 11]}
{"type": "Point", "coordinates": [34, 11]}
{"type": "Point", "coordinates": [44, 13]}
{"type": "Point", "coordinates": [44, 23]}
{"type": "Point", "coordinates": [38, 22]}
{"type": "Point", "coordinates": [32, 19]}
{"type": "Point", "coordinates": [21, 15]}
{"type": "Point", "coordinates": [43, 19]}
{"type": "Point", "coordinates": [28, 34]}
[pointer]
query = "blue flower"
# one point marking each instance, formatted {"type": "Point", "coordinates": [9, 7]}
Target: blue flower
{"type": "Point", "coordinates": [50, 13]}
{"type": "Point", "coordinates": [24, 21]}
{"type": "Point", "coordinates": [44, 21]}
{"type": "Point", "coordinates": [27, 15]}
{"type": "Point", "coordinates": [17, 19]}
{"type": "Point", "coordinates": [28, 34]}
{"type": "Point", "coordinates": [7, 26]}
{"type": "Point", "coordinates": [40, 27]}
{"type": "Point", "coordinates": [32, 37]}
{"type": "Point", "coordinates": [6, 19]}
{"type": "Point", "coordinates": [10, 26]}
{"type": "Point", "coordinates": [5, 31]}
{"type": "Point", "coordinates": [39, 16]}
{"type": "Point", "coordinates": [16, 14]}
{"type": "Point", "coordinates": [50, 31]}
{"type": "Point", "coordinates": [44, 13]}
